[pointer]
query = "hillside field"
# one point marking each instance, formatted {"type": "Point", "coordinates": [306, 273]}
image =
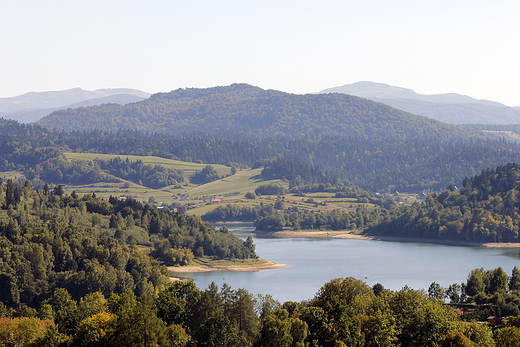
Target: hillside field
{"type": "Point", "coordinates": [232, 188]}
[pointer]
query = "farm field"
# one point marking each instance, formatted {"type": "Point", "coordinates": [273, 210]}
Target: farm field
{"type": "Point", "coordinates": [230, 189]}
{"type": "Point", "coordinates": [187, 167]}
{"type": "Point", "coordinates": [11, 174]}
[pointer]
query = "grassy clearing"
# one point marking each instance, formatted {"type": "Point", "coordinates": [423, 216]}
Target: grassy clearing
{"type": "Point", "coordinates": [11, 175]}
{"type": "Point", "coordinates": [104, 190]}
{"type": "Point", "coordinates": [507, 134]}
{"type": "Point", "coordinates": [186, 167]}
{"type": "Point", "coordinates": [233, 188]}
{"type": "Point", "coordinates": [208, 261]}
{"type": "Point", "coordinates": [246, 180]}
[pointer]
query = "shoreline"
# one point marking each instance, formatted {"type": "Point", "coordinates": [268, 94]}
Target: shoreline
{"type": "Point", "coordinates": [263, 264]}
{"type": "Point", "coordinates": [349, 235]}
{"type": "Point", "coordinates": [258, 266]}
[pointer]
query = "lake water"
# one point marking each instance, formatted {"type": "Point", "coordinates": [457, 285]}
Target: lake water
{"type": "Point", "coordinates": [315, 261]}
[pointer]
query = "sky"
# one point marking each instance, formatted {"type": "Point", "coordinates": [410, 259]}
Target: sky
{"type": "Point", "coordinates": [432, 47]}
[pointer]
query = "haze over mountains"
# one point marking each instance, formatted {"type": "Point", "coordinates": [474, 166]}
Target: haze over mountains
{"type": "Point", "coordinates": [32, 106]}
{"type": "Point", "coordinates": [450, 108]}
{"type": "Point", "coordinates": [242, 109]}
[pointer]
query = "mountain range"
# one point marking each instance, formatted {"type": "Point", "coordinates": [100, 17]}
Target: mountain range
{"type": "Point", "coordinates": [449, 108]}
{"type": "Point", "coordinates": [30, 107]}
{"type": "Point", "coordinates": [242, 109]}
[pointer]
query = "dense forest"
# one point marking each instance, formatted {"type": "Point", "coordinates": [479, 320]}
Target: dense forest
{"type": "Point", "coordinates": [484, 209]}
{"type": "Point", "coordinates": [374, 164]}
{"type": "Point", "coordinates": [85, 244]}
{"type": "Point", "coordinates": [344, 312]}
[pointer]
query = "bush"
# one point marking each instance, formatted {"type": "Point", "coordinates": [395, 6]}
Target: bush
{"type": "Point", "coordinates": [270, 189]}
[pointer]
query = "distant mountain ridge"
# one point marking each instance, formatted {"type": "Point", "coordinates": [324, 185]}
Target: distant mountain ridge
{"type": "Point", "coordinates": [245, 109]}
{"type": "Point", "coordinates": [450, 107]}
{"type": "Point", "coordinates": [374, 90]}
{"type": "Point", "coordinates": [32, 106]}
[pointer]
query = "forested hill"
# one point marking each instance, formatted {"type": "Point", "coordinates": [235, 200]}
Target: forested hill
{"type": "Point", "coordinates": [385, 164]}
{"type": "Point", "coordinates": [485, 209]}
{"type": "Point", "coordinates": [85, 244]}
{"type": "Point", "coordinates": [244, 109]}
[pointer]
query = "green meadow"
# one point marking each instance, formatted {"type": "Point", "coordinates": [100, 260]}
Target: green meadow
{"type": "Point", "coordinates": [231, 188]}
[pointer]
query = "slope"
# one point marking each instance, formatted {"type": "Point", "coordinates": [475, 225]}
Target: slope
{"type": "Point", "coordinates": [247, 110]}
{"type": "Point", "coordinates": [450, 107]}
{"type": "Point", "coordinates": [485, 209]}
{"type": "Point", "coordinates": [373, 90]}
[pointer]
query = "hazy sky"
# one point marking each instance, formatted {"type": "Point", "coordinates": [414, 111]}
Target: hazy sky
{"type": "Point", "coordinates": [465, 47]}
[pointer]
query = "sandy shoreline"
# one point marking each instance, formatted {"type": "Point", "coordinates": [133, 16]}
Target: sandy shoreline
{"type": "Point", "coordinates": [263, 265]}
{"type": "Point", "coordinates": [348, 235]}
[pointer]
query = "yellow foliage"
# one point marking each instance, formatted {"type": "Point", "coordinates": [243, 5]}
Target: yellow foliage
{"type": "Point", "coordinates": [22, 331]}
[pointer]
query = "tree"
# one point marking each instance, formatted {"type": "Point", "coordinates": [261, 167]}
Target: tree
{"type": "Point", "coordinates": [319, 327]}
{"type": "Point", "coordinates": [280, 330]}
{"type": "Point", "coordinates": [177, 336]}
{"type": "Point", "coordinates": [66, 317]}
{"type": "Point", "coordinates": [206, 175]}
{"type": "Point", "coordinates": [379, 325]}
{"type": "Point", "coordinates": [498, 281]}
{"type": "Point", "coordinates": [178, 303]}
{"type": "Point", "coordinates": [95, 330]}
{"type": "Point", "coordinates": [240, 309]}
{"type": "Point", "coordinates": [58, 190]}
{"type": "Point", "coordinates": [475, 283]}
{"type": "Point", "coordinates": [455, 340]}
{"type": "Point", "coordinates": [454, 293]}
{"type": "Point", "coordinates": [378, 289]}
{"type": "Point", "coordinates": [137, 322]}
{"type": "Point", "coordinates": [421, 321]}
{"type": "Point", "coordinates": [508, 337]}
{"type": "Point", "coordinates": [514, 281]}
{"type": "Point", "coordinates": [341, 300]}
{"type": "Point", "coordinates": [436, 291]}
{"type": "Point", "coordinates": [218, 331]}
{"type": "Point", "coordinates": [22, 331]}
{"type": "Point", "coordinates": [13, 193]}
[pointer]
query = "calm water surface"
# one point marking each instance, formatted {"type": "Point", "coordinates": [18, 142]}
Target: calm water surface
{"type": "Point", "coordinates": [315, 261]}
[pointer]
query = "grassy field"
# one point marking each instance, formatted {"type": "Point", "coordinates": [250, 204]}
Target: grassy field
{"type": "Point", "coordinates": [187, 168]}
{"type": "Point", "coordinates": [232, 188]}
{"type": "Point", "coordinates": [11, 174]}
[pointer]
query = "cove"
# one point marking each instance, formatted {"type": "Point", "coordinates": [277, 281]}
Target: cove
{"type": "Point", "coordinates": [315, 261]}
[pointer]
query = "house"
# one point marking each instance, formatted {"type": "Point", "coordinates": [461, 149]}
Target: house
{"type": "Point", "coordinates": [494, 320]}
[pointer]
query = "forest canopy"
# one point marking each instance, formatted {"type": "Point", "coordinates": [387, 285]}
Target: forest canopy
{"type": "Point", "coordinates": [86, 244]}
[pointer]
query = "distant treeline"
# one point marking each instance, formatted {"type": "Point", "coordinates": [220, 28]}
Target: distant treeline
{"type": "Point", "coordinates": [376, 164]}
{"type": "Point", "coordinates": [273, 217]}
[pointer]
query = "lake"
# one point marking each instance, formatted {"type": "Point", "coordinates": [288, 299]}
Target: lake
{"type": "Point", "coordinates": [315, 261]}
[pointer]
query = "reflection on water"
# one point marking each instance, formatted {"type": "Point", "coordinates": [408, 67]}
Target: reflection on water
{"type": "Point", "coordinates": [315, 261]}
{"type": "Point", "coordinates": [513, 253]}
